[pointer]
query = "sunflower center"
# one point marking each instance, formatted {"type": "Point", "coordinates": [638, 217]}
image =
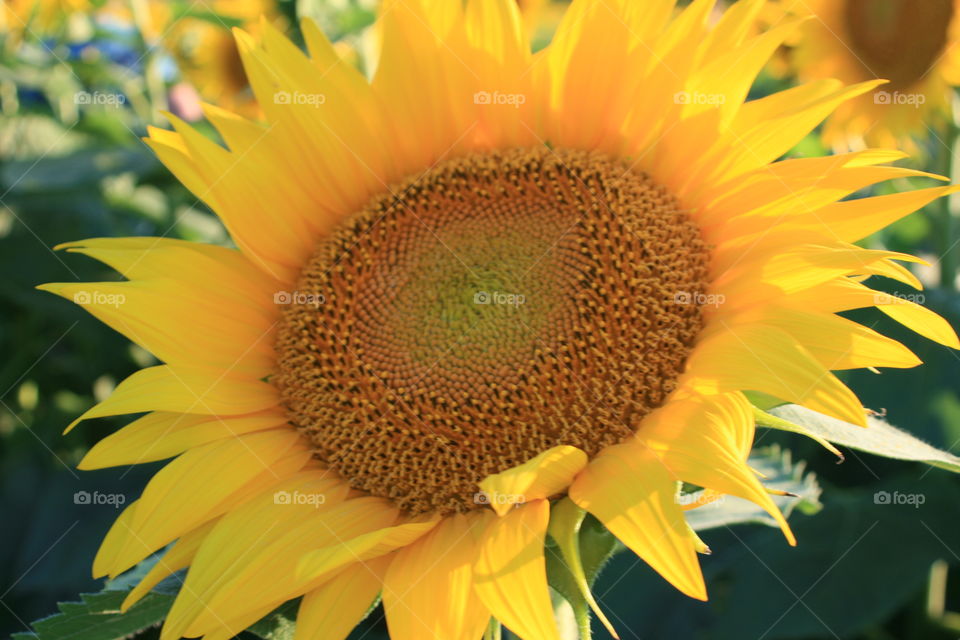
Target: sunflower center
{"type": "Point", "coordinates": [899, 40]}
{"type": "Point", "coordinates": [494, 307]}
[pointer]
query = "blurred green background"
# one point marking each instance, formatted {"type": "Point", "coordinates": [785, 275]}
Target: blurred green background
{"type": "Point", "coordinates": [73, 167]}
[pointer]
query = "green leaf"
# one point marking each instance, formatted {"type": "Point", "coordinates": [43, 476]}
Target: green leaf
{"type": "Point", "coordinates": [780, 473]}
{"type": "Point", "coordinates": [98, 617]}
{"type": "Point", "coordinates": [567, 572]}
{"type": "Point", "coordinates": [879, 438]}
{"type": "Point", "coordinates": [279, 624]}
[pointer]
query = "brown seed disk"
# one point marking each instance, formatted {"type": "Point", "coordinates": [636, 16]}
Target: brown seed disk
{"type": "Point", "coordinates": [898, 40]}
{"type": "Point", "coordinates": [494, 307]}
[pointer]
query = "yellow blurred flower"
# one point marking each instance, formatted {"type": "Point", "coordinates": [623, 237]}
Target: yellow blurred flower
{"type": "Point", "coordinates": [202, 44]}
{"type": "Point", "coordinates": [911, 43]}
{"type": "Point", "coordinates": [17, 16]}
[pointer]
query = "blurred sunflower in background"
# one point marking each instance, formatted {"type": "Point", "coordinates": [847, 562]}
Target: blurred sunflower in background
{"type": "Point", "coordinates": [207, 55]}
{"type": "Point", "coordinates": [475, 298]}
{"type": "Point", "coordinates": [198, 38]}
{"type": "Point", "coordinates": [911, 44]}
{"type": "Point", "coordinates": [17, 16]}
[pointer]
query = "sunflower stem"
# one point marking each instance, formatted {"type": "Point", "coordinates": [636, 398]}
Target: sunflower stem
{"type": "Point", "coordinates": [949, 165]}
{"type": "Point", "coordinates": [494, 630]}
{"type": "Point", "coordinates": [583, 622]}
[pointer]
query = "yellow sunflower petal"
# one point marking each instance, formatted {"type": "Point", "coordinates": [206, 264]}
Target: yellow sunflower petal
{"type": "Point", "coordinates": [323, 562]}
{"type": "Point", "coordinates": [223, 469]}
{"type": "Point", "coordinates": [177, 557]}
{"type": "Point", "coordinates": [161, 435]}
{"type": "Point", "coordinates": [760, 140]}
{"type": "Point", "coordinates": [838, 343]}
{"type": "Point", "coordinates": [248, 561]}
{"type": "Point", "coordinates": [332, 610]}
{"type": "Point", "coordinates": [511, 573]}
{"type": "Point", "coordinates": [698, 440]}
{"type": "Point", "coordinates": [179, 323]}
{"type": "Point", "coordinates": [846, 294]}
{"type": "Point", "coordinates": [540, 477]}
{"type": "Point", "coordinates": [628, 489]}
{"type": "Point", "coordinates": [184, 389]}
{"type": "Point", "coordinates": [767, 359]}
{"type": "Point", "coordinates": [852, 220]}
{"type": "Point", "coordinates": [428, 590]}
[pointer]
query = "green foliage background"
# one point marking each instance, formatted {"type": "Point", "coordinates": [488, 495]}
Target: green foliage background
{"type": "Point", "coordinates": [862, 570]}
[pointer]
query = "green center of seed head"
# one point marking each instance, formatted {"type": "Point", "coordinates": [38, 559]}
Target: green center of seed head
{"type": "Point", "coordinates": [479, 297]}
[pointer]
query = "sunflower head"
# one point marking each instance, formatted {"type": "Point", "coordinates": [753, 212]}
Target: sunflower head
{"type": "Point", "coordinates": [484, 287]}
{"type": "Point", "coordinates": [472, 315]}
{"type": "Point", "coordinates": [912, 45]}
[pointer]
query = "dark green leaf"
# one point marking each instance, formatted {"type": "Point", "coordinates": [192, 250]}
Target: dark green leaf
{"type": "Point", "coordinates": [98, 617]}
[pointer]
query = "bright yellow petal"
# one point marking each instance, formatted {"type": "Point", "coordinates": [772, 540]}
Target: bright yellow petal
{"type": "Point", "coordinates": [540, 477]}
{"type": "Point", "coordinates": [759, 358]}
{"type": "Point", "coordinates": [171, 505]}
{"type": "Point", "coordinates": [511, 573]}
{"type": "Point", "coordinates": [332, 610]}
{"type": "Point", "coordinates": [428, 591]}
{"type": "Point", "coordinates": [248, 562]}
{"type": "Point", "coordinates": [838, 343]}
{"type": "Point", "coordinates": [701, 441]}
{"type": "Point", "coordinates": [182, 389]}
{"type": "Point", "coordinates": [325, 561]}
{"type": "Point", "coordinates": [179, 556]}
{"type": "Point", "coordinates": [161, 435]}
{"type": "Point", "coordinates": [629, 489]}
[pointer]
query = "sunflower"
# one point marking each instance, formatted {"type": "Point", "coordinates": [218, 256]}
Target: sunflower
{"type": "Point", "coordinates": [202, 45]}
{"type": "Point", "coordinates": [480, 288]}
{"type": "Point", "coordinates": [913, 45]}
{"type": "Point", "coordinates": [20, 16]}
{"type": "Point", "coordinates": [207, 54]}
